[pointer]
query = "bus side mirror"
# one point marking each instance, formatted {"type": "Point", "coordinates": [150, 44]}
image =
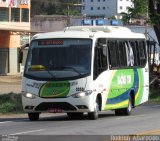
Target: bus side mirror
{"type": "Point", "coordinates": [20, 55]}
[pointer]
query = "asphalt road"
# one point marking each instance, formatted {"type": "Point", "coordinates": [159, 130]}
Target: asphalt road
{"type": "Point", "coordinates": [145, 119]}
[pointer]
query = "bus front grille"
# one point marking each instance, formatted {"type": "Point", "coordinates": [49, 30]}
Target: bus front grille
{"type": "Point", "coordinates": [55, 105]}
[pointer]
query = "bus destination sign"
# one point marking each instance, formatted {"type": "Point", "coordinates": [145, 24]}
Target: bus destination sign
{"type": "Point", "coordinates": [50, 42]}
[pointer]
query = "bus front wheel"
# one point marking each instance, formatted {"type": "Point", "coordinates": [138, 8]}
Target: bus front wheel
{"type": "Point", "coordinates": [33, 116]}
{"type": "Point", "coordinates": [94, 115]}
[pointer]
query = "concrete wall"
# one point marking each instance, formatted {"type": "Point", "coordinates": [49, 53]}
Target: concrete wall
{"type": "Point", "coordinates": [9, 44]}
{"type": "Point", "coordinates": [13, 61]}
{"type": "Point", "coordinates": [4, 38]}
{"type": "Point", "coordinates": [48, 23]}
{"type": "Point", "coordinates": [44, 23]}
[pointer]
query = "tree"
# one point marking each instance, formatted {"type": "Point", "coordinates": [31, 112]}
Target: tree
{"type": "Point", "coordinates": [139, 10]}
{"type": "Point", "coordinates": [54, 7]}
{"type": "Point", "coordinates": [126, 17]}
{"type": "Point", "coordinates": [154, 14]}
{"type": "Point", "coordinates": [150, 10]}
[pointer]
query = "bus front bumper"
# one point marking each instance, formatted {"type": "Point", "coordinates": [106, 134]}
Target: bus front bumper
{"type": "Point", "coordinates": [58, 105]}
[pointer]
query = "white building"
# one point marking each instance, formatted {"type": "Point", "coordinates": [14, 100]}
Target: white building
{"type": "Point", "coordinates": [105, 8]}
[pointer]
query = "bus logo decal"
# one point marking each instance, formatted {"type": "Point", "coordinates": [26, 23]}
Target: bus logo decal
{"type": "Point", "coordinates": [124, 79]}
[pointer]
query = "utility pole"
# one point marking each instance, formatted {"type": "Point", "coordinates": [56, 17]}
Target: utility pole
{"type": "Point", "coordinates": [146, 20]}
{"type": "Point", "coordinates": [68, 15]}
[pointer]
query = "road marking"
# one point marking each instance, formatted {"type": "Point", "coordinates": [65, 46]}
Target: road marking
{"type": "Point", "coordinates": [5, 122]}
{"type": "Point", "coordinates": [152, 132]}
{"type": "Point", "coordinates": [20, 133]}
{"type": "Point", "coordinates": [9, 121]}
{"type": "Point", "coordinates": [156, 106]}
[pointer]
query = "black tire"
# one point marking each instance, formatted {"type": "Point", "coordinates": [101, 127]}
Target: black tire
{"type": "Point", "coordinates": [119, 112]}
{"type": "Point", "coordinates": [94, 115]}
{"type": "Point", "coordinates": [33, 116]}
{"type": "Point", "coordinates": [75, 115]}
{"type": "Point", "coordinates": [125, 111]}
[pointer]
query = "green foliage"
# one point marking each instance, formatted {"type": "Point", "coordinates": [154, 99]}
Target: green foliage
{"type": "Point", "coordinates": [155, 95]}
{"type": "Point", "coordinates": [54, 7]}
{"type": "Point", "coordinates": [148, 10]}
{"type": "Point", "coordinates": [145, 8]}
{"type": "Point", "coordinates": [11, 103]}
{"type": "Point", "coordinates": [140, 8]}
{"type": "Point", "coordinates": [126, 17]}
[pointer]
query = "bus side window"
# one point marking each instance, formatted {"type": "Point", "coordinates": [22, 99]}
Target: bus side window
{"type": "Point", "coordinates": [113, 55]}
{"type": "Point", "coordinates": [100, 59]}
{"type": "Point", "coordinates": [135, 52]}
{"type": "Point", "coordinates": [130, 54]}
{"type": "Point", "coordinates": [122, 54]}
{"type": "Point", "coordinates": [142, 53]}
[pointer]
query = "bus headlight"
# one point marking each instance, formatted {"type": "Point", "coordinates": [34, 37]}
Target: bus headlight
{"type": "Point", "coordinates": [29, 95]}
{"type": "Point", "coordinates": [82, 94]}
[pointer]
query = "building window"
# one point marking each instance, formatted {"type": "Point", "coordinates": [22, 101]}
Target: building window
{"type": "Point", "coordinates": [4, 14]}
{"type": "Point", "coordinates": [98, 0]}
{"type": "Point", "coordinates": [91, 8]}
{"type": "Point", "coordinates": [104, 8]}
{"type": "Point", "coordinates": [98, 8]}
{"type": "Point", "coordinates": [15, 14]}
{"type": "Point", "coordinates": [120, 7]}
{"type": "Point", "coordinates": [25, 15]}
{"type": "Point", "coordinates": [127, 7]}
{"type": "Point", "coordinates": [91, 0]}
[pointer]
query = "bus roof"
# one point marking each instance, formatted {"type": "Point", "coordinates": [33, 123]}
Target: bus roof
{"type": "Point", "coordinates": [92, 31]}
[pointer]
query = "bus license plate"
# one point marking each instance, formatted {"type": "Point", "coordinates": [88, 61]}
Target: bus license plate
{"type": "Point", "coordinates": [55, 110]}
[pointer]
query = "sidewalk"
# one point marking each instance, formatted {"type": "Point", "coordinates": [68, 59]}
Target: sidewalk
{"type": "Point", "coordinates": [10, 83]}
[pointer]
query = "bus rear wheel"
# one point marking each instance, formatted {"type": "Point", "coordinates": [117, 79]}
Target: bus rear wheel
{"type": "Point", "coordinates": [33, 116]}
{"type": "Point", "coordinates": [94, 115]}
{"type": "Point", "coordinates": [125, 111]}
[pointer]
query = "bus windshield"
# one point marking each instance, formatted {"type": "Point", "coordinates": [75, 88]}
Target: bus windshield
{"type": "Point", "coordinates": [59, 58]}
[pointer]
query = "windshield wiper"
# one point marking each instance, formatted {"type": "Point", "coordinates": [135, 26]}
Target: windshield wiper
{"type": "Point", "coordinates": [67, 67]}
{"type": "Point", "coordinates": [41, 68]}
{"type": "Point", "coordinates": [49, 72]}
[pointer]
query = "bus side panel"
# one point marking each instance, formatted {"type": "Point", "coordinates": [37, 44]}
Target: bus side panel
{"type": "Point", "coordinates": [122, 83]}
{"type": "Point", "coordinates": [142, 93]}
